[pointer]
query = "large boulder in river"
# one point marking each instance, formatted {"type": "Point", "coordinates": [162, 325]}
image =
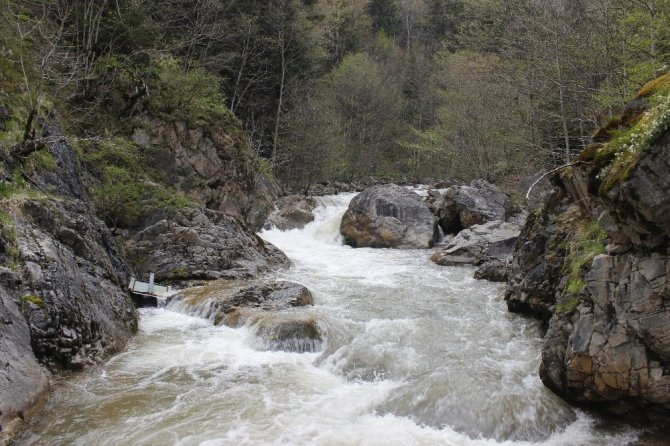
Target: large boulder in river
{"type": "Point", "coordinates": [291, 212]}
{"type": "Point", "coordinates": [202, 244]}
{"type": "Point", "coordinates": [460, 207]}
{"type": "Point", "coordinates": [479, 243]}
{"type": "Point", "coordinates": [388, 216]}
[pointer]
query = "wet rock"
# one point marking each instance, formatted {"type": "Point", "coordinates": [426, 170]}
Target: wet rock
{"type": "Point", "coordinates": [292, 212]}
{"type": "Point", "coordinates": [64, 307]}
{"type": "Point", "coordinates": [289, 333]}
{"type": "Point", "coordinates": [75, 280]}
{"type": "Point", "coordinates": [269, 307]}
{"type": "Point", "coordinates": [233, 302]}
{"type": "Point", "coordinates": [388, 216]}
{"type": "Point", "coordinates": [202, 244]}
{"type": "Point", "coordinates": [65, 179]}
{"type": "Point", "coordinates": [537, 266]}
{"type": "Point", "coordinates": [615, 349]}
{"type": "Point", "coordinates": [608, 338]}
{"type": "Point", "coordinates": [494, 270]}
{"type": "Point", "coordinates": [24, 383]}
{"type": "Point", "coordinates": [460, 207]}
{"type": "Point", "coordinates": [475, 245]}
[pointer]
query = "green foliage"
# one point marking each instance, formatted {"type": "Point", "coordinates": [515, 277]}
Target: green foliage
{"type": "Point", "coordinates": [124, 199]}
{"type": "Point", "coordinates": [40, 160]}
{"type": "Point", "coordinates": [189, 93]}
{"type": "Point", "coordinates": [586, 242]}
{"type": "Point", "coordinates": [568, 305]}
{"type": "Point", "coordinates": [122, 192]}
{"type": "Point", "coordinates": [33, 299]}
{"type": "Point", "coordinates": [626, 147]}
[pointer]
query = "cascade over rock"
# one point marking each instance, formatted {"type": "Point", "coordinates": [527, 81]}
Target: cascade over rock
{"type": "Point", "coordinates": [388, 216]}
{"type": "Point", "coordinates": [604, 294]}
{"type": "Point", "coordinates": [265, 304]}
{"type": "Point", "coordinates": [291, 212]}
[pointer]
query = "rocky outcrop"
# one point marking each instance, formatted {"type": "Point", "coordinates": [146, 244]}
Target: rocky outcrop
{"type": "Point", "coordinates": [213, 163]}
{"type": "Point", "coordinates": [388, 216]}
{"type": "Point", "coordinates": [493, 270]}
{"type": "Point", "coordinates": [460, 207]}
{"type": "Point", "coordinates": [64, 305]}
{"type": "Point", "coordinates": [79, 311]}
{"type": "Point", "coordinates": [202, 244]}
{"type": "Point", "coordinates": [594, 265]}
{"type": "Point", "coordinates": [291, 212]}
{"type": "Point", "coordinates": [479, 243]}
{"type": "Point", "coordinates": [24, 383]}
{"type": "Point", "coordinates": [264, 305]}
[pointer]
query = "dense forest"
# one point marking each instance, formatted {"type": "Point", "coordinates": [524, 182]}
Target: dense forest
{"type": "Point", "coordinates": [340, 89]}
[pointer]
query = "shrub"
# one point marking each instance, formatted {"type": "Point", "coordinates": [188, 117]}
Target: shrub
{"type": "Point", "coordinates": [189, 93]}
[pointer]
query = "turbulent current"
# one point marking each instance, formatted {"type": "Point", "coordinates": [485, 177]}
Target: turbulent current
{"type": "Point", "coordinates": [413, 354]}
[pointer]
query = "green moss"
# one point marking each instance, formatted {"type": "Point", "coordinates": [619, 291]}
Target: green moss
{"type": "Point", "coordinates": [568, 305]}
{"type": "Point", "coordinates": [180, 273]}
{"type": "Point", "coordinates": [33, 299]}
{"type": "Point", "coordinates": [40, 160]}
{"type": "Point", "coordinates": [586, 242]}
{"type": "Point", "coordinates": [124, 199]}
{"type": "Point", "coordinates": [634, 136]}
{"type": "Point", "coordinates": [658, 86]}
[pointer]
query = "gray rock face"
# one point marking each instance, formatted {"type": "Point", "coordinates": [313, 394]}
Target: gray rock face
{"type": "Point", "coordinates": [24, 383]}
{"type": "Point", "coordinates": [494, 270]}
{"type": "Point", "coordinates": [292, 212]}
{"type": "Point", "coordinates": [534, 276]}
{"type": "Point", "coordinates": [202, 244]}
{"type": "Point", "coordinates": [212, 162]}
{"type": "Point", "coordinates": [388, 216]}
{"type": "Point", "coordinates": [618, 348]}
{"type": "Point", "coordinates": [459, 207]}
{"type": "Point", "coordinates": [65, 306]}
{"type": "Point", "coordinates": [493, 240]}
{"type": "Point", "coordinates": [71, 264]}
{"type": "Point", "coordinates": [265, 305]}
{"type": "Point", "coordinates": [608, 338]}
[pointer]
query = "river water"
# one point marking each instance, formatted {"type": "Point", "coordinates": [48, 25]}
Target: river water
{"type": "Point", "coordinates": [413, 354]}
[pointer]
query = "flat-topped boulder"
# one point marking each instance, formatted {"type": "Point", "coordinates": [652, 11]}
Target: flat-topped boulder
{"type": "Point", "coordinates": [479, 243]}
{"type": "Point", "coordinates": [388, 216]}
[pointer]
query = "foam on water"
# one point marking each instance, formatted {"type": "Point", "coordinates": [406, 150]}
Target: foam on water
{"type": "Point", "coordinates": [413, 354]}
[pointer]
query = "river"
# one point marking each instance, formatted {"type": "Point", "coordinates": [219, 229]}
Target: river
{"type": "Point", "coordinates": [413, 354]}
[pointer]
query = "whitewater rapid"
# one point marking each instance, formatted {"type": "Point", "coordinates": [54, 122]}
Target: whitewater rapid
{"type": "Point", "coordinates": [413, 354]}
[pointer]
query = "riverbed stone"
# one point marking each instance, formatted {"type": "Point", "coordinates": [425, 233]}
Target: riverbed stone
{"type": "Point", "coordinates": [388, 216]}
{"type": "Point", "coordinates": [462, 206]}
{"type": "Point", "coordinates": [291, 212]}
{"type": "Point", "coordinates": [479, 243]}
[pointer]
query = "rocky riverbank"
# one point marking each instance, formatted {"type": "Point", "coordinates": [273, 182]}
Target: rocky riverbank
{"type": "Point", "coordinates": [64, 303]}
{"type": "Point", "coordinates": [594, 265]}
